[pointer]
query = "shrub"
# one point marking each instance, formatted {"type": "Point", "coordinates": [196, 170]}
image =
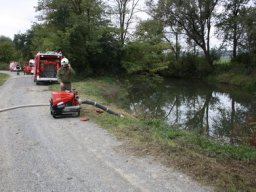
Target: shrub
{"type": "Point", "coordinates": [189, 65]}
{"type": "Point", "coordinates": [4, 66]}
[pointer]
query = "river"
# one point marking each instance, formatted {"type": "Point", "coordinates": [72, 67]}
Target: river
{"type": "Point", "coordinates": [223, 113]}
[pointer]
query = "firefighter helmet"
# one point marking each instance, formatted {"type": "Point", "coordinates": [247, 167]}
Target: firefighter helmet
{"type": "Point", "coordinates": [64, 61]}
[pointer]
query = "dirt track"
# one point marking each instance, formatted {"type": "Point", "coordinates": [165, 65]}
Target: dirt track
{"type": "Point", "coordinates": [39, 153]}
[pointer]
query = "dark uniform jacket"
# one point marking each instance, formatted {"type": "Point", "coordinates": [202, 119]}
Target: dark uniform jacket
{"type": "Point", "coordinates": [64, 75]}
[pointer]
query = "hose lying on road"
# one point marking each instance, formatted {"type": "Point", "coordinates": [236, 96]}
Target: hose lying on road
{"type": "Point", "coordinates": [90, 102]}
{"type": "Point", "coordinates": [23, 106]}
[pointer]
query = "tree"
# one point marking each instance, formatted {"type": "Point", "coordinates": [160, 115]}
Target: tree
{"type": "Point", "coordinates": [230, 23]}
{"type": "Point", "coordinates": [125, 11]}
{"type": "Point", "coordinates": [194, 18]}
{"type": "Point", "coordinates": [141, 56]}
{"type": "Point", "coordinates": [23, 43]}
{"type": "Point", "coordinates": [237, 24]}
{"type": "Point", "coordinates": [106, 60]}
{"type": "Point", "coordinates": [150, 31]}
{"type": "Point", "coordinates": [148, 52]}
{"type": "Point", "coordinates": [77, 27]}
{"type": "Point", "coordinates": [249, 22]}
{"type": "Point", "coordinates": [7, 50]}
{"type": "Point", "coordinates": [46, 38]}
{"type": "Point", "coordinates": [170, 28]}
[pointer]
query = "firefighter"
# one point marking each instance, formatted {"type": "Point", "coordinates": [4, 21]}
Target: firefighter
{"type": "Point", "coordinates": [65, 74]}
{"type": "Point", "coordinates": [18, 69]}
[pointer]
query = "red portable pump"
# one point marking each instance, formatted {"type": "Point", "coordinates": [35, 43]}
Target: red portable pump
{"type": "Point", "coordinates": [68, 103]}
{"type": "Point", "coordinates": [64, 103]}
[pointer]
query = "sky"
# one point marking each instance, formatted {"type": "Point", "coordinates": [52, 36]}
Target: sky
{"type": "Point", "coordinates": [16, 16]}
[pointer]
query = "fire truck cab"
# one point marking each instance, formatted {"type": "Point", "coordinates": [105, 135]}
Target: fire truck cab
{"type": "Point", "coordinates": [46, 66]}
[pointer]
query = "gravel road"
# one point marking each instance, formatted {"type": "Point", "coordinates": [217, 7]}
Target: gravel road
{"type": "Point", "coordinates": [40, 153]}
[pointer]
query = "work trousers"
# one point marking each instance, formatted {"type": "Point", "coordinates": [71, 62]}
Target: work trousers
{"type": "Point", "coordinates": [67, 86]}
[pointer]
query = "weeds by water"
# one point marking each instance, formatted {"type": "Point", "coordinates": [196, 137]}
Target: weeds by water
{"type": "Point", "coordinates": [245, 82]}
{"type": "Point", "coordinates": [226, 167]}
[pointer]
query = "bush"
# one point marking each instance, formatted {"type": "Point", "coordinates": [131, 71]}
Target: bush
{"type": "Point", "coordinates": [4, 66]}
{"type": "Point", "coordinates": [242, 64]}
{"type": "Point", "coordinates": [189, 65]}
{"type": "Point", "coordinates": [242, 59]}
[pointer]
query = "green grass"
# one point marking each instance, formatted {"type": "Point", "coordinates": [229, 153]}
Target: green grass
{"type": "Point", "coordinates": [3, 78]}
{"type": "Point", "coordinates": [235, 75]}
{"type": "Point", "coordinates": [162, 134]}
{"type": "Point", "coordinates": [246, 82]}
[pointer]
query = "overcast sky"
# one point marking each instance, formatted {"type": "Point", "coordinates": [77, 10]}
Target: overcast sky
{"type": "Point", "coordinates": [16, 16]}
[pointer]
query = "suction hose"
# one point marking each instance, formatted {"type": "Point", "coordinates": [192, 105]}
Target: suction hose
{"type": "Point", "coordinates": [90, 102]}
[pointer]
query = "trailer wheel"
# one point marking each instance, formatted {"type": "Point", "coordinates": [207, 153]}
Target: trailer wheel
{"type": "Point", "coordinates": [77, 114]}
{"type": "Point", "coordinates": [53, 115]}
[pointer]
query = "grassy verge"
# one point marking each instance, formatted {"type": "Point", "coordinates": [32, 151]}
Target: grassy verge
{"type": "Point", "coordinates": [239, 79]}
{"type": "Point", "coordinates": [3, 78]}
{"type": "Point", "coordinates": [228, 168]}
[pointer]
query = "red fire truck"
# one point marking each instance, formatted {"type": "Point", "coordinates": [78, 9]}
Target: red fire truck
{"type": "Point", "coordinates": [46, 66]}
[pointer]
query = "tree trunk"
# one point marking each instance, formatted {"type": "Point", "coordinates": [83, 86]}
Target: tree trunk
{"type": "Point", "coordinates": [235, 42]}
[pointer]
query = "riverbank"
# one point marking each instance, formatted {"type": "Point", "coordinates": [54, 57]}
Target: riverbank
{"type": "Point", "coordinates": [228, 168]}
{"type": "Point", "coordinates": [244, 81]}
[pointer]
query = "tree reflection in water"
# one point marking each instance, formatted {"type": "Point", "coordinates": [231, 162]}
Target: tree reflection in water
{"type": "Point", "coordinates": [228, 116]}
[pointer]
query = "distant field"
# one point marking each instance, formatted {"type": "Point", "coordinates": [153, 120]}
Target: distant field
{"type": "Point", "coordinates": [223, 60]}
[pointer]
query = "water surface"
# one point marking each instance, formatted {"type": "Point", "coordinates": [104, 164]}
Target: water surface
{"type": "Point", "coordinates": [224, 113]}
